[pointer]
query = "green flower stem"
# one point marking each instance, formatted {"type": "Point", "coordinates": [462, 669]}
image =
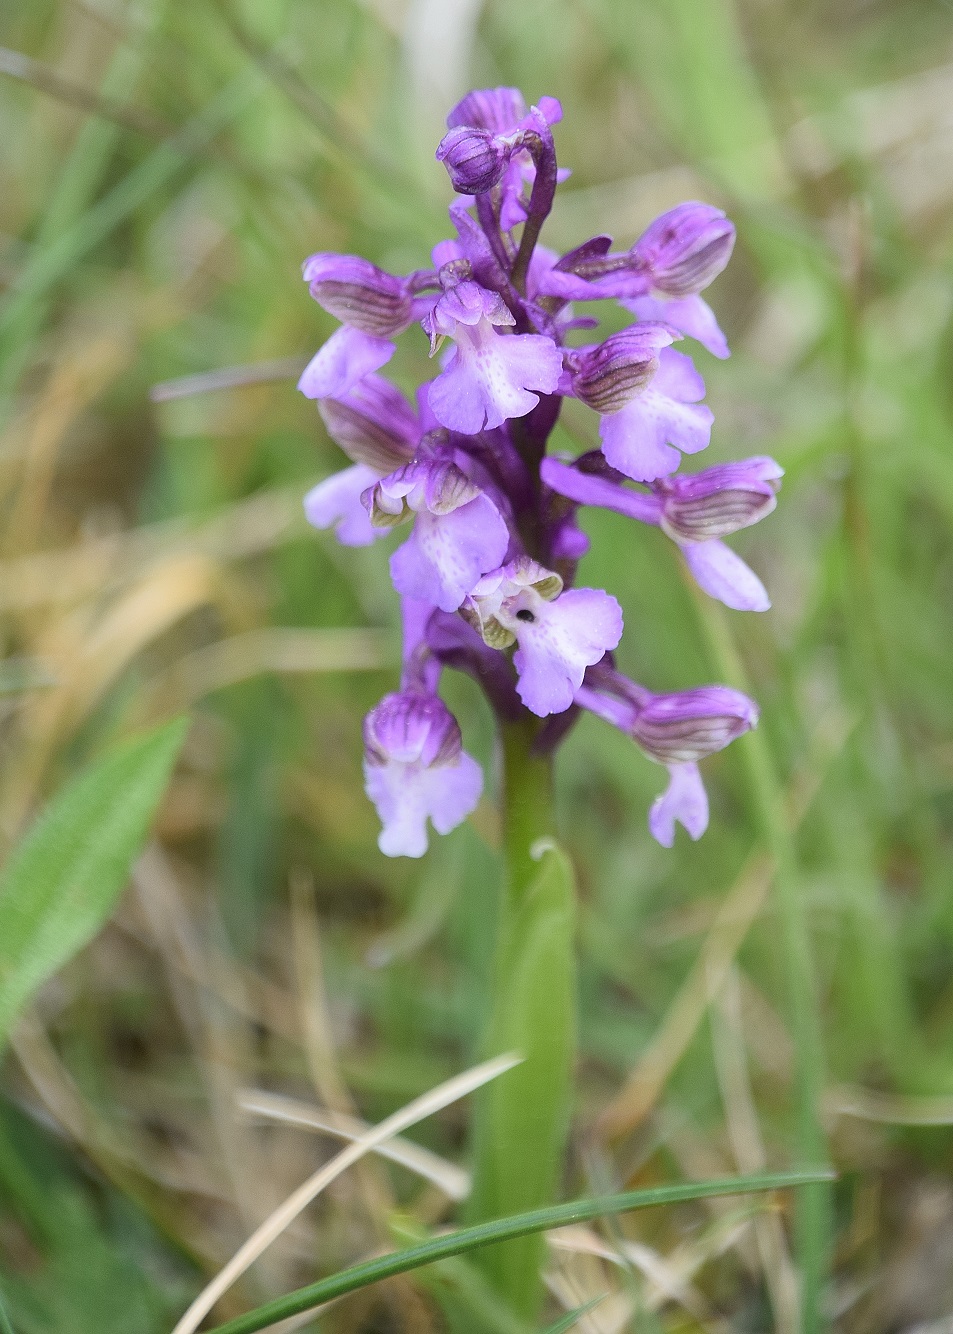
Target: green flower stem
{"type": "Point", "coordinates": [521, 1122]}
{"type": "Point", "coordinates": [526, 807]}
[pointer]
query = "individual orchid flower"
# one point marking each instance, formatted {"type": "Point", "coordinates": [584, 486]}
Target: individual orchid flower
{"type": "Point", "coordinates": [377, 428]}
{"type": "Point", "coordinates": [646, 438]}
{"type": "Point", "coordinates": [559, 634]}
{"type": "Point", "coordinates": [373, 307]}
{"type": "Point", "coordinates": [647, 397]}
{"type": "Point", "coordinates": [490, 377]}
{"type": "Point", "coordinates": [677, 730]}
{"type": "Point", "coordinates": [415, 769]}
{"type": "Point", "coordinates": [661, 276]}
{"type": "Point", "coordinates": [458, 532]}
{"type": "Point", "coordinates": [681, 252]}
{"type": "Point", "coordinates": [696, 510]}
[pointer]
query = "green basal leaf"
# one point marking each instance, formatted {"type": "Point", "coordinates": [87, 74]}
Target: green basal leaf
{"type": "Point", "coordinates": [503, 1229]}
{"type": "Point", "coordinates": [61, 883]}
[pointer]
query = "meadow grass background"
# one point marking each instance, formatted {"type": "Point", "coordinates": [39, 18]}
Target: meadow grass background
{"type": "Point", "coordinates": [166, 167]}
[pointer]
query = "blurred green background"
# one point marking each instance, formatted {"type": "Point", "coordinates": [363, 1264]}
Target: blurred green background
{"type": "Point", "coordinates": [166, 167]}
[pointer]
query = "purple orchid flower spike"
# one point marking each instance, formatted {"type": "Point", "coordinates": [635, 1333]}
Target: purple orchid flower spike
{"type": "Point", "coordinates": [676, 730]}
{"type": "Point", "coordinates": [487, 574]}
{"type": "Point", "coordinates": [559, 634]}
{"type": "Point", "coordinates": [491, 376]}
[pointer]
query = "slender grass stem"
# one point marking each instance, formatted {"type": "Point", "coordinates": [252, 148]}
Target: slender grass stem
{"type": "Point", "coordinates": [812, 1217]}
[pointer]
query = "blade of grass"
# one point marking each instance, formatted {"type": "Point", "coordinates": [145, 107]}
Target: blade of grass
{"type": "Point", "coordinates": [571, 1317]}
{"type": "Point", "coordinates": [505, 1229]}
{"type": "Point", "coordinates": [17, 65]}
{"type": "Point", "coordinates": [275, 1224]}
{"type": "Point", "coordinates": [452, 1180]}
{"type": "Point", "coordinates": [51, 262]}
{"type": "Point", "coordinates": [813, 1226]}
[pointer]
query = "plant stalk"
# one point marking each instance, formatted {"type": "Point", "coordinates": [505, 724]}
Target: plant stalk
{"type": "Point", "coordinates": [521, 1124]}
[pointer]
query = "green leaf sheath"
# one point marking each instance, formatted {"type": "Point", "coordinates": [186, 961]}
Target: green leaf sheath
{"type": "Point", "coordinates": [522, 1119]}
{"type": "Point", "coordinates": [502, 1229]}
{"type": "Point", "coordinates": [61, 883]}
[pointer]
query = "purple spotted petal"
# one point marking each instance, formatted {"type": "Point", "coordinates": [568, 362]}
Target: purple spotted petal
{"type": "Point", "coordinates": [446, 554]}
{"type": "Point", "coordinates": [684, 801]}
{"type": "Point", "coordinates": [345, 358]}
{"type": "Point", "coordinates": [724, 575]}
{"type": "Point", "coordinates": [643, 439]}
{"type": "Point", "coordinates": [491, 377]}
{"type": "Point", "coordinates": [336, 503]}
{"type": "Point", "coordinates": [406, 796]}
{"type": "Point", "coordinates": [691, 315]}
{"type": "Point", "coordinates": [567, 636]}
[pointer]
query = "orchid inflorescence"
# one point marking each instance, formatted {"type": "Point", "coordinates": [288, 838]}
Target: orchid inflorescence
{"type": "Point", "coordinates": [491, 559]}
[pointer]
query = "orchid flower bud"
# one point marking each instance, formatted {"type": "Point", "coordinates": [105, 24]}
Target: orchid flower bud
{"type": "Point", "coordinates": [474, 158]}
